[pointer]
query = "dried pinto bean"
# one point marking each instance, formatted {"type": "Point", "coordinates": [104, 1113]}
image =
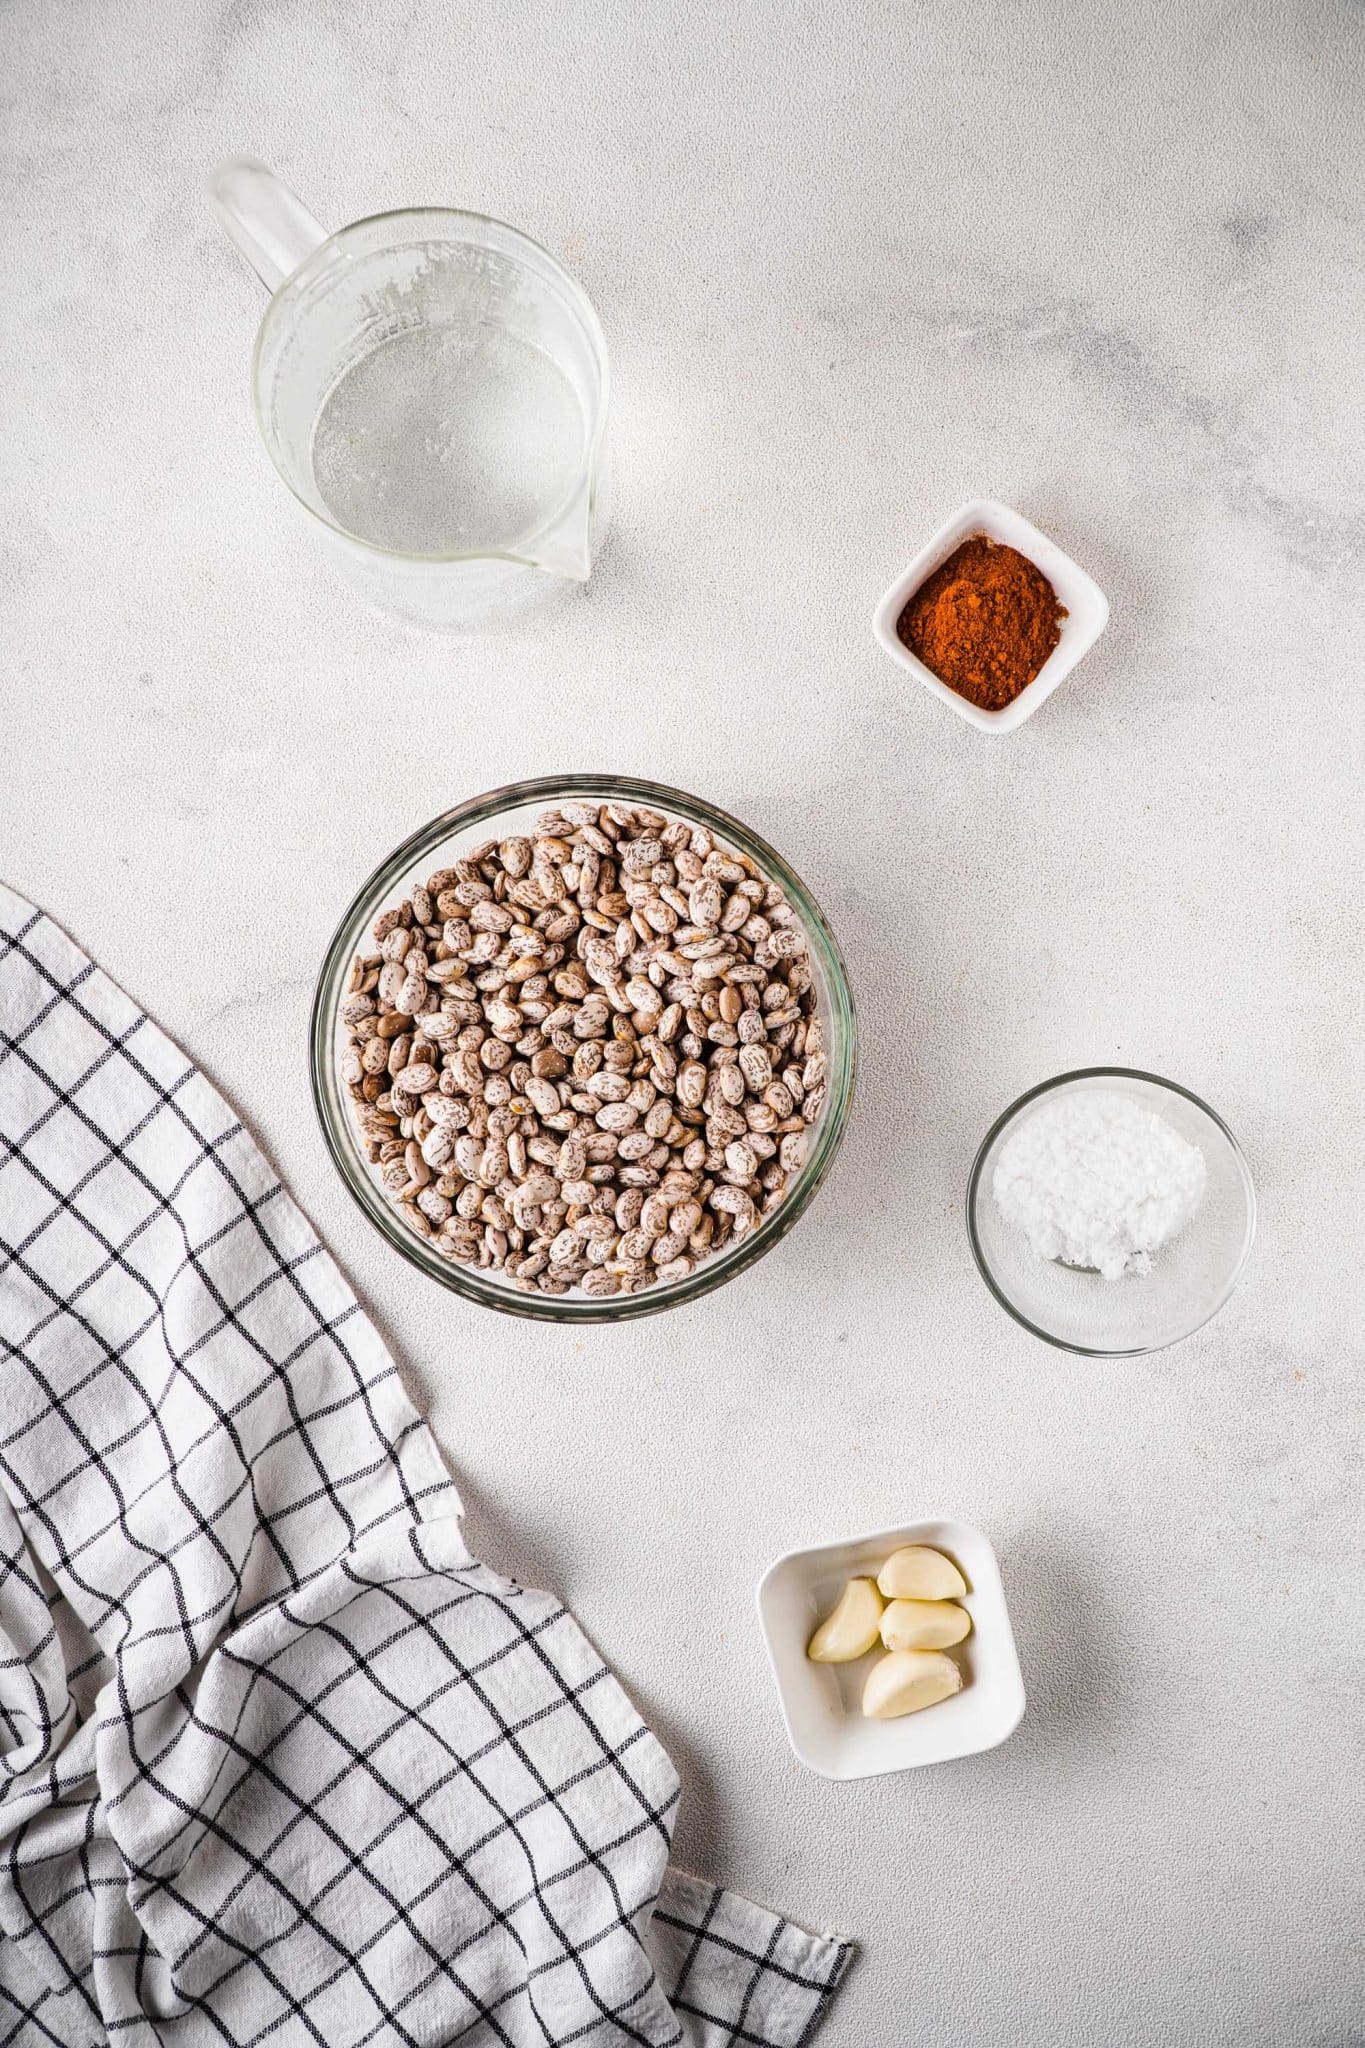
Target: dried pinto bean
{"type": "Point", "coordinates": [581, 1031]}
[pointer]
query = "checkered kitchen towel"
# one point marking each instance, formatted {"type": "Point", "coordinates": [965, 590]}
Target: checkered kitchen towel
{"type": "Point", "coordinates": [281, 1761]}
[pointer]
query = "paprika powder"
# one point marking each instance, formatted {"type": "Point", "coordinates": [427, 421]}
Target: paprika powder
{"type": "Point", "coordinates": [984, 622]}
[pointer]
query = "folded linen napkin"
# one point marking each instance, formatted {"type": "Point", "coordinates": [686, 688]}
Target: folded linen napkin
{"type": "Point", "coordinates": [282, 1763]}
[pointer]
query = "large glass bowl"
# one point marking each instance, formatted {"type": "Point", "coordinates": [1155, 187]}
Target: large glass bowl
{"type": "Point", "coordinates": [1192, 1276]}
{"type": "Point", "coordinates": [498, 815]}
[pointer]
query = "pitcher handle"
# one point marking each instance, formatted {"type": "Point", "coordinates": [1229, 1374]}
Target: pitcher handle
{"type": "Point", "coordinates": [264, 219]}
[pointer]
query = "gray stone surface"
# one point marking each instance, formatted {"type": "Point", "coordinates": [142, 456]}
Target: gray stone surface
{"type": "Point", "coordinates": [855, 265]}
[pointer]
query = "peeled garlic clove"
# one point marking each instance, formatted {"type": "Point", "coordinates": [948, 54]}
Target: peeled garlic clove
{"type": "Point", "coordinates": [903, 1681]}
{"type": "Point", "coordinates": [924, 1624]}
{"type": "Point", "coordinates": [851, 1629]}
{"type": "Point", "coordinates": [918, 1573]}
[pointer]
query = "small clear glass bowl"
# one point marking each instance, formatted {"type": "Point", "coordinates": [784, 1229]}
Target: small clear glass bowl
{"type": "Point", "coordinates": [1191, 1277]}
{"type": "Point", "coordinates": [499, 815]}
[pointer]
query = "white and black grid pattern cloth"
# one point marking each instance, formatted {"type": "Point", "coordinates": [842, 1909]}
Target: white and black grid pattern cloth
{"type": "Point", "coordinates": [282, 1762]}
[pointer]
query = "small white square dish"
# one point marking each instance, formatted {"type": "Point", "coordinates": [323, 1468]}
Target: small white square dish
{"type": "Point", "coordinates": [1087, 608]}
{"type": "Point", "coordinates": [822, 1703]}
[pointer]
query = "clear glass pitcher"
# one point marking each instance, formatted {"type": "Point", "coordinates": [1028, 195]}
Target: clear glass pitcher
{"type": "Point", "coordinates": [433, 387]}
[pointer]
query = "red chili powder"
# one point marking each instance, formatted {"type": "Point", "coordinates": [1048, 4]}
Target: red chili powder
{"type": "Point", "coordinates": [985, 622]}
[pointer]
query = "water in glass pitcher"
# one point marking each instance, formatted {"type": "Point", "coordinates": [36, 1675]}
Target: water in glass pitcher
{"type": "Point", "coordinates": [447, 439]}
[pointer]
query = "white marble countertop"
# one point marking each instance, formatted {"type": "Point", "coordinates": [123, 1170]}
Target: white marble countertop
{"type": "Point", "coordinates": [855, 264]}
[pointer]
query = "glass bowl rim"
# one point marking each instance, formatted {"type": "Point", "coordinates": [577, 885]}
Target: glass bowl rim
{"type": "Point", "coordinates": [1107, 1074]}
{"type": "Point", "coordinates": [331, 1112]}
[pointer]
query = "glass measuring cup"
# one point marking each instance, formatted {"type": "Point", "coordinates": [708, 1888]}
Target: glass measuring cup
{"type": "Point", "coordinates": [432, 386]}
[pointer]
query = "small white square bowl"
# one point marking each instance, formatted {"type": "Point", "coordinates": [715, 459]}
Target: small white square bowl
{"type": "Point", "coordinates": [1087, 608]}
{"type": "Point", "coordinates": [822, 1703]}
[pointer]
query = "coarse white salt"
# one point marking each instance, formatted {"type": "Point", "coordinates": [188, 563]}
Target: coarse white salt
{"type": "Point", "coordinates": [1097, 1179]}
